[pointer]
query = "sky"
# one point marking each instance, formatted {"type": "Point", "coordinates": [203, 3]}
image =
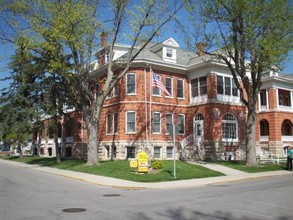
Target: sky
{"type": "Point", "coordinates": [7, 50]}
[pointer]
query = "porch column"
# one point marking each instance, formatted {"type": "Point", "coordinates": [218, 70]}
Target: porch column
{"type": "Point", "coordinates": [267, 100]}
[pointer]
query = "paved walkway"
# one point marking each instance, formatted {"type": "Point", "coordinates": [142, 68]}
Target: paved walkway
{"type": "Point", "coordinates": [230, 176]}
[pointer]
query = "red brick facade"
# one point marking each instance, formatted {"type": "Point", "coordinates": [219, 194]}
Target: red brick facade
{"type": "Point", "coordinates": [207, 109]}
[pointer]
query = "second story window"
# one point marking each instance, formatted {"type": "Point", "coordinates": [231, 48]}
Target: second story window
{"type": "Point", "coordinates": [130, 84]}
{"type": "Point", "coordinates": [226, 86]}
{"type": "Point", "coordinates": [199, 86]}
{"type": "Point", "coordinates": [180, 88]}
{"type": "Point", "coordinates": [156, 90]}
{"type": "Point", "coordinates": [169, 85]}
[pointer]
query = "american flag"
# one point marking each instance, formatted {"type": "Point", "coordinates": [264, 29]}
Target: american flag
{"type": "Point", "coordinates": [157, 83]}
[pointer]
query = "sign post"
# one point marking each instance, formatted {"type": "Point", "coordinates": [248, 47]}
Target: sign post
{"type": "Point", "coordinates": [174, 133]}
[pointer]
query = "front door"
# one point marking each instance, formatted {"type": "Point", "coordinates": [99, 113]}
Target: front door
{"type": "Point", "coordinates": [198, 128]}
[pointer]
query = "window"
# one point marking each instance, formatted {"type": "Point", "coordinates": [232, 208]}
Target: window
{"type": "Point", "coordinates": [156, 90]}
{"type": "Point", "coordinates": [229, 127]}
{"type": "Point", "coordinates": [157, 122]}
{"type": "Point", "coordinates": [169, 122]}
{"type": "Point", "coordinates": [157, 152]}
{"type": "Point", "coordinates": [130, 122]}
{"type": "Point", "coordinates": [130, 81]}
{"type": "Point", "coordinates": [194, 87]}
{"type": "Point", "coordinates": [130, 152]}
{"type": "Point", "coordinates": [169, 85]}
{"type": "Point", "coordinates": [169, 152]}
{"type": "Point", "coordinates": [199, 86]}
{"type": "Point", "coordinates": [115, 90]}
{"type": "Point", "coordinates": [286, 128]}
{"type": "Point", "coordinates": [180, 88]}
{"type": "Point", "coordinates": [226, 86]}
{"type": "Point", "coordinates": [108, 123]}
{"type": "Point", "coordinates": [263, 99]}
{"type": "Point", "coordinates": [181, 124]}
{"type": "Point", "coordinates": [115, 123]}
{"type": "Point", "coordinates": [234, 88]}
{"type": "Point", "coordinates": [220, 85]}
{"type": "Point", "coordinates": [264, 128]}
{"type": "Point", "coordinates": [169, 53]}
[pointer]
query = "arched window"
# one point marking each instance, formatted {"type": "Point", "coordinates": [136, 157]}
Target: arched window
{"type": "Point", "coordinates": [264, 128]}
{"type": "Point", "coordinates": [287, 128]}
{"type": "Point", "coordinates": [229, 127]}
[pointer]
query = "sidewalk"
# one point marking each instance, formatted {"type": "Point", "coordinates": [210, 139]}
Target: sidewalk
{"type": "Point", "coordinates": [230, 176]}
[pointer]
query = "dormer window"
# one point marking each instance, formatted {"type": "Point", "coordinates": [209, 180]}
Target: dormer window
{"type": "Point", "coordinates": [169, 54]}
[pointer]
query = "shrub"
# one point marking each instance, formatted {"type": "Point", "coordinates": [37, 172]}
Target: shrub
{"type": "Point", "coordinates": [157, 164]}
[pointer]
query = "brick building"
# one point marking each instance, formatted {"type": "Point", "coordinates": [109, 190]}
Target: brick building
{"type": "Point", "coordinates": [203, 102]}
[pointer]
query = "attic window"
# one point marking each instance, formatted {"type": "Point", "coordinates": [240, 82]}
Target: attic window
{"type": "Point", "coordinates": [169, 53]}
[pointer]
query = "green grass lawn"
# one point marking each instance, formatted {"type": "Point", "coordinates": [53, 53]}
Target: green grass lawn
{"type": "Point", "coordinates": [240, 165]}
{"type": "Point", "coordinates": [121, 169]}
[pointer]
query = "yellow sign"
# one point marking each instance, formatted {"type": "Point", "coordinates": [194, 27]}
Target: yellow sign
{"type": "Point", "coordinates": [143, 162]}
{"type": "Point", "coordinates": [133, 164]}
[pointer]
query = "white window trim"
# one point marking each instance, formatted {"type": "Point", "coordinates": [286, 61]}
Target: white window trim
{"type": "Point", "coordinates": [132, 132]}
{"type": "Point", "coordinates": [157, 88]}
{"type": "Point", "coordinates": [172, 120]}
{"type": "Point", "coordinates": [174, 54]}
{"type": "Point", "coordinates": [160, 157]}
{"type": "Point", "coordinates": [108, 115]}
{"type": "Point", "coordinates": [183, 123]}
{"type": "Point", "coordinates": [178, 79]}
{"type": "Point", "coordinates": [160, 123]}
{"type": "Point", "coordinates": [231, 140]}
{"type": "Point", "coordinates": [127, 83]}
{"type": "Point", "coordinates": [113, 126]}
{"type": "Point", "coordinates": [172, 152]}
{"type": "Point", "coordinates": [171, 96]}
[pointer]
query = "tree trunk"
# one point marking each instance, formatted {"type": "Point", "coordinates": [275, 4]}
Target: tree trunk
{"type": "Point", "coordinates": [250, 139]}
{"type": "Point", "coordinates": [92, 146]}
{"type": "Point", "coordinates": [58, 156]}
{"type": "Point", "coordinates": [19, 150]}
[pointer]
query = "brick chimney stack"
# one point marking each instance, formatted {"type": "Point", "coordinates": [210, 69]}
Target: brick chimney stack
{"type": "Point", "coordinates": [200, 49]}
{"type": "Point", "coordinates": [104, 39]}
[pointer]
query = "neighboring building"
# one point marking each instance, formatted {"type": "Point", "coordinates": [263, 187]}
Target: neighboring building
{"type": "Point", "coordinates": [203, 102]}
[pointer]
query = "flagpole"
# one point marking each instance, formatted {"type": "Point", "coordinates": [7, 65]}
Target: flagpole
{"type": "Point", "coordinates": [151, 91]}
{"type": "Point", "coordinates": [146, 107]}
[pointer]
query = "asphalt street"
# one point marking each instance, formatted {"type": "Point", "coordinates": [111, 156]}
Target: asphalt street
{"type": "Point", "coordinates": [32, 194]}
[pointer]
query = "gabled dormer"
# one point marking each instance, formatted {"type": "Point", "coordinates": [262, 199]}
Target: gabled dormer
{"type": "Point", "coordinates": [167, 50]}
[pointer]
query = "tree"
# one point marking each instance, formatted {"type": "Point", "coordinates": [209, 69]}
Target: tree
{"type": "Point", "coordinates": [74, 25]}
{"type": "Point", "coordinates": [254, 36]}
{"type": "Point", "coordinates": [16, 110]}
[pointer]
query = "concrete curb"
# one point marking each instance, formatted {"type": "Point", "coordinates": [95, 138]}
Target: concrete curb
{"type": "Point", "coordinates": [233, 176]}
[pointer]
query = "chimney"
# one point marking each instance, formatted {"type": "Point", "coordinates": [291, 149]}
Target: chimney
{"type": "Point", "coordinates": [200, 49]}
{"type": "Point", "coordinates": [104, 39]}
